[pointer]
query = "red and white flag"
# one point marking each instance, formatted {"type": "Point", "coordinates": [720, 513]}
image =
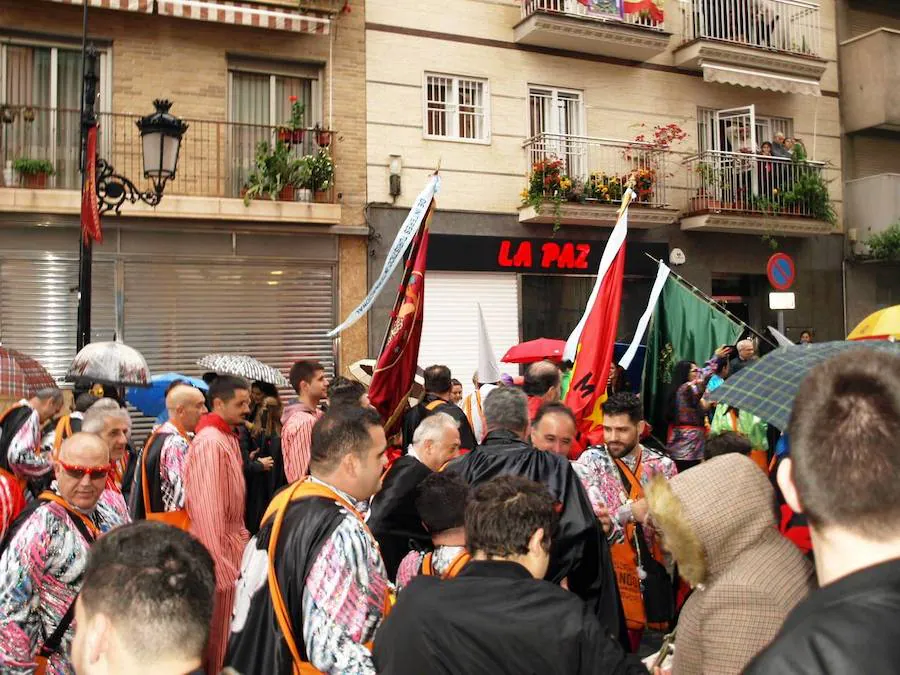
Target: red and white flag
{"type": "Point", "coordinates": [593, 340]}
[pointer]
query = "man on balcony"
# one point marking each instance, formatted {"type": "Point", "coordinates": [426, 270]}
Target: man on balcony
{"type": "Point", "coordinates": [778, 148]}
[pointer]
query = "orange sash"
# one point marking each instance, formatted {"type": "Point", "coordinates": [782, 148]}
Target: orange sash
{"type": "Point", "coordinates": [178, 518]}
{"type": "Point", "coordinates": [625, 559]}
{"type": "Point", "coordinates": [455, 567]}
{"type": "Point", "coordinates": [278, 508]}
{"type": "Point", "coordinates": [63, 431]}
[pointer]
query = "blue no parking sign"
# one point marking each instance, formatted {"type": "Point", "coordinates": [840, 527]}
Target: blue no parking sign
{"type": "Point", "coordinates": [781, 271]}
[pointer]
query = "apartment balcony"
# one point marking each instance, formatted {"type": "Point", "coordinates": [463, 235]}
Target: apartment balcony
{"type": "Point", "coordinates": [572, 26]}
{"type": "Point", "coordinates": [756, 194]}
{"type": "Point", "coordinates": [774, 45]}
{"type": "Point", "coordinates": [870, 81]}
{"type": "Point", "coordinates": [215, 163]}
{"type": "Point", "coordinates": [577, 180]}
{"type": "Point", "coordinates": [871, 205]}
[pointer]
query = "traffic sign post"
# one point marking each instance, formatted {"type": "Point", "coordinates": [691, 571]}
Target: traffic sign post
{"type": "Point", "coordinates": [781, 273]}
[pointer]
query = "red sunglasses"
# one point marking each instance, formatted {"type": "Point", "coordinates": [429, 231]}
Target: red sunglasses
{"type": "Point", "coordinates": [77, 472]}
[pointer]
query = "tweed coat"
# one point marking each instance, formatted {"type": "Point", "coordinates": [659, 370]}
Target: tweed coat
{"type": "Point", "coordinates": [718, 521]}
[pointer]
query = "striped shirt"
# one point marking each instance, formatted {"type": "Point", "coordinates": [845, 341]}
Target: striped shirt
{"type": "Point", "coordinates": [26, 458]}
{"type": "Point", "coordinates": [296, 441]}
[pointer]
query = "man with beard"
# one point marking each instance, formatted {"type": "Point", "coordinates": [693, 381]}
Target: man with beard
{"type": "Point", "coordinates": [313, 588]}
{"type": "Point", "coordinates": [618, 473]}
{"type": "Point", "coordinates": [580, 553]}
{"type": "Point", "coordinates": [214, 499]}
{"type": "Point", "coordinates": [394, 519]}
{"type": "Point", "coordinates": [159, 487]}
{"type": "Point", "coordinates": [44, 557]}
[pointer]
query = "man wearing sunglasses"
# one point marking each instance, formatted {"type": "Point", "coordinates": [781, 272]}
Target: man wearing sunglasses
{"type": "Point", "coordinates": [43, 558]}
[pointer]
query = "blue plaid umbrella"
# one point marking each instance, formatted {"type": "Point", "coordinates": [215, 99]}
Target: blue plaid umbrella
{"type": "Point", "coordinates": [768, 387]}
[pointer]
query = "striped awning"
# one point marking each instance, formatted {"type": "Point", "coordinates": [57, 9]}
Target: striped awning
{"type": "Point", "coordinates": [244, 14]}
{"type": "Point", "coordinates": [744, 77]}
{"type": "Point", "coordinates": [142, 6]}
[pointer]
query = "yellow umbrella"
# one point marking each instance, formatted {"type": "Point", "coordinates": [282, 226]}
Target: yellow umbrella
{"type": "Point", "coordinates": [882, 325]}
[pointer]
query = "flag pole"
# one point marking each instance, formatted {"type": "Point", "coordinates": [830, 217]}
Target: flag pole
{"type": "Point", "coordinates": [712, 301]}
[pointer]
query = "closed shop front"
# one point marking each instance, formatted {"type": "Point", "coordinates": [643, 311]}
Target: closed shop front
{"type": "Point", "coordinates": [172, 296]}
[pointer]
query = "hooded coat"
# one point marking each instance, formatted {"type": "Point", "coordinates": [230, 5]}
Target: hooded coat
{"type": "Point", "coordinates": [718, 520]}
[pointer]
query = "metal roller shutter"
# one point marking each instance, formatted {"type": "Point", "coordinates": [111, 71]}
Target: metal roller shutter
{"type": "Point", "coordinates": [177, 312]}
{"type": "Point", "coordinates": [450, 328]}
{"type": "Point", "coordinates": [39, 304]}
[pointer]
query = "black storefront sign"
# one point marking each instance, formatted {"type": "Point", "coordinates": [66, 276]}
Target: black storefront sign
{"type": "Point", "coordinates": [464, 253]}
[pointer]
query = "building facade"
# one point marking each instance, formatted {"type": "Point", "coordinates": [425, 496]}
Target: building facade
{"type": "Point", "coordinates": [201, 272]}
{"type": "Point", "coordinates": [539, 111]}
{"type": "Point", "coordinates": [869, 37]}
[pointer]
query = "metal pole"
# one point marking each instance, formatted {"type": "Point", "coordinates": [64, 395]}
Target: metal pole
{"type": "Point", "coordinates": [711, 301]}
{"type": "Point", "coordinates": [781, 321]}
{"type": "Point", "coordinates": [88, 120]}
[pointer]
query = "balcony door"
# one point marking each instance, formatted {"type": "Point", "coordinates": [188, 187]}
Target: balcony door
{"type": "Point", "coordinates": [260, 102]}
{"type": "Point", "coordinates": [556, 119]}
{"type": "Point", "coordinates": [42, 84]}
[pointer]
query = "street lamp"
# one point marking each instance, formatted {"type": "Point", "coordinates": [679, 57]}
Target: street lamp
{"type": "Point", "coordinates": [161, 134]}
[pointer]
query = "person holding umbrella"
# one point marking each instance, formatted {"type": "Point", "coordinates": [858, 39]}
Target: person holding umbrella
{"type": "Point", "coordinates": [21, 457]}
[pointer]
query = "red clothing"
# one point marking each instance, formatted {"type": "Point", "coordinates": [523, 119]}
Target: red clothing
{"type": "Point", "coordinates": [296, 440]}
{"type": "Point", "coordinates": [12, 501]}
{"type": "Point", "coordinates": [534, 404]}
{"type": "Point", "coordinates": [214, 499]}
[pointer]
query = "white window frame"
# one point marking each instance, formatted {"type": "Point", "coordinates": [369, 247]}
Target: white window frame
{"type": "Point", "coordinates": [555, 94]}
{"type": "Point", "coordinates": [104, 91]}
{"type": "Point", "coordinates": [452, 110]}
{"type": "Point", "coordinates": [769, 122]}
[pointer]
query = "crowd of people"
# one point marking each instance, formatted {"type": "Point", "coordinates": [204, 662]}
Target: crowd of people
{"type": "Point", "coordinates": [479, 536]}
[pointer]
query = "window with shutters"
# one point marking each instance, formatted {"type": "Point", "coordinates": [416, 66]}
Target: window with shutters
{"type": "Point", "coordinates": [456, 108]}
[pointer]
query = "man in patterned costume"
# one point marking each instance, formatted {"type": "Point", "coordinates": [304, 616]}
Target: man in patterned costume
{"type": "Point", "coordinates": [159, 483]}
{"type": "Point", "coordinates": [313, 587]}
{"type": "Point", "coordinates": [44, 557]}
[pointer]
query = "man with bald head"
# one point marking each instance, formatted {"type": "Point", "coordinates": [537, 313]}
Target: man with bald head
{"type": "Point", "coordinates": [159, 484]}
{"type": "Point", "coordinates": [746, 354]}
{"type": "Point", "coordinates": [543, 383]}
{"type": "Point", "coordinates": [43, 558]}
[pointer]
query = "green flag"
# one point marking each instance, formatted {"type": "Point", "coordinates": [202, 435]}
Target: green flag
{"type": "Point", "coordinates": [685, 328]}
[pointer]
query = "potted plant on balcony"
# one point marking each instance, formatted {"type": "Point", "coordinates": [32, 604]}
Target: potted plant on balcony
{"type": "Point", "coordinates": [810, 195]}
{"type": "Point", "coordinates": [274, 175]}
{"type": "Point", "coordinates": [321, 167]}
{"type": "Point", "coordinates": [706, 198]}
{"type": "Point", "coordinates": [28, 114]}
{"type": "Point", "coordinates": [303, 191]}
{"type": "Point", "coordinates": [293, 131]}
{"type": "Point", "coordinates": [8, 114]}
{"type": "Point", "coordinates": [33, 172]}
{"type": "Point", "coordinates": [323, 136]}
{"type": "Point", "coordinates": [546, 182]}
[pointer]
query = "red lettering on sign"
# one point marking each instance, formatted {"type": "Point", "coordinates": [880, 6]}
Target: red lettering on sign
{"type": "Point", "coordinates": [551, 254]}
{"type": "Point", "coordinates": [523, 255]}
{"type": "Point", "coordinates": [567, 257]}
{"type": "Point", "coordinates": [503, 258]}
{"type": "Point", "coordinates": [584, 250]}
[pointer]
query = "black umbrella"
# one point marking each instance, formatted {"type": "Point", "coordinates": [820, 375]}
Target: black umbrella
{"type": "Point", "coordinates": [768, 387]}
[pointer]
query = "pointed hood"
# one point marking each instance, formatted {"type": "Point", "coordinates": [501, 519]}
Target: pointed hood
{"type": "Point", "coordinates": [488, 366]}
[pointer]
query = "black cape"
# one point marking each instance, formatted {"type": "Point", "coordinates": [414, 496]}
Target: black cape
{"type": "Point", "coordinates": [493, 619]}
{"type": "Point", "coordinates": [579, 552]}
{"type": "Point", "coordinates": [150, 458]}
{"type": "Point", "coordinates": [11, 424]}
{"type": "Point", "coordinates": [415, 415]}
{"type": "Point", "coordinates": [256, 647]}
{"type": "Point", "coordinates": [393, 517]}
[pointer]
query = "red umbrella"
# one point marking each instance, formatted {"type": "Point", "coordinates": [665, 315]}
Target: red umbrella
{"type": "Point", "coordinates": [21, 376]}
{"type": "Point", "coordinates": [535, 350]}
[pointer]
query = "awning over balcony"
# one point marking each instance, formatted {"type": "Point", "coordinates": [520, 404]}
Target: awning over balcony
{"type": "Point", "coordinates": [243, 14]}
{"type": "Point", "coordinates": [742, 77]}
{"type": "Point", "coordinates": [142, 6]}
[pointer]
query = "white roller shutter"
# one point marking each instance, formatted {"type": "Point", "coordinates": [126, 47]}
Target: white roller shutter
{"type": "Point", "coordinates": [39, 306]}
{"type": "Point", "coordinates": [450, 329]}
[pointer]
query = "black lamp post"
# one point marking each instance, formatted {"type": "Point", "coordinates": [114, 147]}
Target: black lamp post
{"type": "Point", "coordinates": [161, 134]}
